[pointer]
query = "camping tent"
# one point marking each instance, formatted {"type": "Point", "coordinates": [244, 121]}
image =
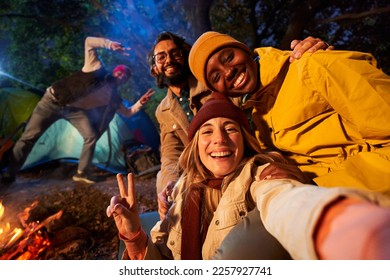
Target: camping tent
{"type": "Point", "coordinates": [63, 142]}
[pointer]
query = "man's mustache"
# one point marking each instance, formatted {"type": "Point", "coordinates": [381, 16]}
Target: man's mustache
{"type": "Point", "coordinates": [171, 64]}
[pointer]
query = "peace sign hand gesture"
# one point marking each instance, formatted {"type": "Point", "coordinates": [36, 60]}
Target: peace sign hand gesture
{"type": "Point", "coordinates": [118, 47]}
{"type": "Point", "coordinates": [124, 208]}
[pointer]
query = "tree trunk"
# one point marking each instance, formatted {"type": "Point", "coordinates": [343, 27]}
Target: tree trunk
{"type": "Point", "coordinates": [303, 12]}
{"type": "Point", "coordinates": [198, 16]}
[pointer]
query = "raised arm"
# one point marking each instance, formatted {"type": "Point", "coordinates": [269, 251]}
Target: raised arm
{"type": "Point", "coordinates": [300, 217]}
{"type": "Point", "coordinates": [92, 60]}
{"type": "Point", "coordinates": [128, 112]}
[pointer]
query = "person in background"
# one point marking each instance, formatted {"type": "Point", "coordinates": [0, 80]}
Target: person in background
{"type": "Point", "coordinates": [168, 61]}
{"type": "Point", "coordinates": [217, 189]}
{"type": "Point", "coordinates": [327, 112]}
{"type": "Point", "coordinates": [88, 99]}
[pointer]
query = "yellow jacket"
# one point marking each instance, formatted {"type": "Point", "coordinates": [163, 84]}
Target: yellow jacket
{"type": "Point", "coordinates": [329, 112]}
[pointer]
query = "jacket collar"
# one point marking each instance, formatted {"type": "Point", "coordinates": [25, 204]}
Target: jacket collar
{"type": "Point", "coordinates": [197, 90]}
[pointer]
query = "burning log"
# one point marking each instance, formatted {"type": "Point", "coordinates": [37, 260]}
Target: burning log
{"type": "Point", "coordinates": [28, 242]}
{"type": "Point", "coordinates": [68, 241]}
{"type": "Point", "coordinates": [83, 232]}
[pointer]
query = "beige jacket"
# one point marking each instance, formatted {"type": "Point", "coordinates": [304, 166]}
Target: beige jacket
{"type": "Point", "coordinates": [173, 130]}
{"type": "Point", "coordinates": [288, 209]}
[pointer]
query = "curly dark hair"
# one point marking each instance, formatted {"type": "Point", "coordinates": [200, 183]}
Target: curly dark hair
{"type": "Point", "coordinates": [180, 42]}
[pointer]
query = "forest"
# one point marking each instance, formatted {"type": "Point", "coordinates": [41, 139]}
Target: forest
{"type": "Point", "coordinates": [42, 41]}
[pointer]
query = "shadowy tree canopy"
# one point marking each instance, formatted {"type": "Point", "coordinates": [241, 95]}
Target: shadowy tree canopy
{"type": "Point", "coordinates": [42, 41]}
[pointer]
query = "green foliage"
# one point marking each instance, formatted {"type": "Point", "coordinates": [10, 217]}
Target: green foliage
{"type": "Point", "coordinates": [42, 41]}
{"type": "Point", "coordinates": [225, 14]}
{"type": "Point", "coordinates": [150, 107]}
{"type": "Point", "coordinates": [351, 25]}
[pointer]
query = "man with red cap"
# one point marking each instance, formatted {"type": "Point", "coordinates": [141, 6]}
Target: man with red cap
{"type": "Point", "coordinates": [88, 99]}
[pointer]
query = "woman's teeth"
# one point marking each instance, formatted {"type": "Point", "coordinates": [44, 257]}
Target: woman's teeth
{"type": "Point", "coordinates": [220, 154]}
{"type": "Point", "coordinates": [239, 79]}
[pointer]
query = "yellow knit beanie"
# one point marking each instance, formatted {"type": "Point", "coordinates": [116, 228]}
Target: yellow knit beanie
{"type": "Point", "coordinates": [207, 44]}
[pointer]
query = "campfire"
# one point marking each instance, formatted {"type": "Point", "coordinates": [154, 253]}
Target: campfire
{"type": "Point", "coordinates": [28, 242]}
{"type": "Point", "coordinates": [70, 224]}
{"type": "Point", "coordinates": [52, 219]}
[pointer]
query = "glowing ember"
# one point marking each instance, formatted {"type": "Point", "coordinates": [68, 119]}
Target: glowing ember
{"type": "Point", "coordinates": [27, 242]}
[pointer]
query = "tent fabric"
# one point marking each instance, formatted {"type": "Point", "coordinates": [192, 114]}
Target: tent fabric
{"type": "Point", "coordinates": [16, 106]}
{"type": "Point", "coordinates": [63, 142]}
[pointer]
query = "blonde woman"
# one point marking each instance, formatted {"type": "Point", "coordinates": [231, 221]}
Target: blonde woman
{"type": "Point", "coordinates": [223, 181]}
{"type": "Point", "coordinates": [328, 112]}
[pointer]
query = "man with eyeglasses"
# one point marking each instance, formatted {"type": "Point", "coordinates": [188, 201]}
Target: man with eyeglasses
{"type": "Point", "coordinates": [168, 61]}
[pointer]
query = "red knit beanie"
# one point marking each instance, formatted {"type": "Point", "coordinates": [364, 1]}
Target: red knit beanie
{"type": "Point", "coordinates": [217, 106]}
{"type": "Point", "coordinates": [124, 69]}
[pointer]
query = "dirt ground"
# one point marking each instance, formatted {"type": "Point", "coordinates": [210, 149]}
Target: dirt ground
{"type": "Point", "coordinates": [83, 231]}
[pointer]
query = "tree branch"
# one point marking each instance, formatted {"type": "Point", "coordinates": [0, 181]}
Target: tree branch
{"type": "Point", "coordinates": [356, 15]}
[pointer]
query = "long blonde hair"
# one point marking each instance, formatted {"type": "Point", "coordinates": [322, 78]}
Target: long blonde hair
{"type": "Point", "coordinates": [193, 170]}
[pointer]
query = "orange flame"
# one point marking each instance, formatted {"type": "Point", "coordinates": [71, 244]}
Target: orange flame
{"type": "Point", "coordinates": [25, 243]}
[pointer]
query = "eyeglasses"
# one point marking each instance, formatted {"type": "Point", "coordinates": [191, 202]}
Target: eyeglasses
{"type": "Point", "coordinates": [161, 57]}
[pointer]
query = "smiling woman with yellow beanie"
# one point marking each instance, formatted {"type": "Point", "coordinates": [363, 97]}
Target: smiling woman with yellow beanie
{"type": "Point", "coordinates": [328, 112]}
{"type": "Point", "coordinates": [207, 44]}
